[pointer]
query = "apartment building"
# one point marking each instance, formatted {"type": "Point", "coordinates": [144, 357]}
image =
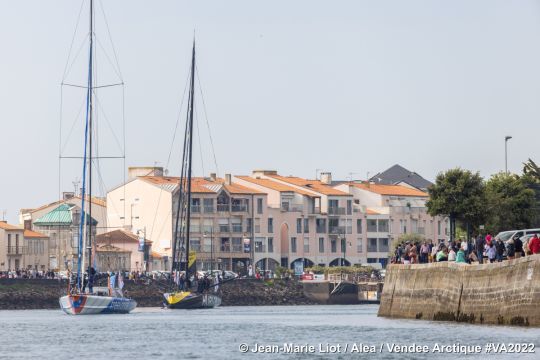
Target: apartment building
{"type": "Point", "coordinates": [22, 249]}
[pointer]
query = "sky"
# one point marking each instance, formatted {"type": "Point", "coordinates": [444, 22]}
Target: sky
{"type": "Point", "coordinates": [351, 87]}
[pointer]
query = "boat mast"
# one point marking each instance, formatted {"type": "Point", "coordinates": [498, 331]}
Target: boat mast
{"type": "Point", "coordinates": [190, 145]}
{"type": "Point", "coordinates": [90, 105]}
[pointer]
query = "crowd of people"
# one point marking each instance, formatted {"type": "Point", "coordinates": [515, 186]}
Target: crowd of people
{"type": "Point", "coordinates": [479, 249]}
{"type": "Point", "coordinates": [28, 274]}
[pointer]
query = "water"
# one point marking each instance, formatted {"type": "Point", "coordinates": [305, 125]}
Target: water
{"type": "Point", "coordinates": [152, 333]}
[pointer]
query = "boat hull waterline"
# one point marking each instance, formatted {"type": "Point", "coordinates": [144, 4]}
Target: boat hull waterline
{"type": "Point", "coordinates": [86, 304]}
{"type": "Point", "coordinates": [192, 301]}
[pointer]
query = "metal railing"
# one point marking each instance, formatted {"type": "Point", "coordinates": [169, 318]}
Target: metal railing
{"type": "Point", "coordinates": [223, 207]}
{"type": "Point", "coordinates": [195, 208]}
{"type": "Point", "coordinates": [292, 207]}
{"type": "Point", "coordinates": [208, 209]}
{"type": "Point", "coordinates": [16, 250]}
{"type": "Point", "coordinates": [239, 208]}
{"type": "Point", "coordinates": [336, 211]}
{"type": "Point", "coordinates": [336, 229]}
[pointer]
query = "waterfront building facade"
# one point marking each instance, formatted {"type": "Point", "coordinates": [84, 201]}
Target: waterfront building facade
{"type": "Point", "coordinates": [22, 249]}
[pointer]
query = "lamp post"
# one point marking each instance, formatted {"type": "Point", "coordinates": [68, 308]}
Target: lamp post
{"type": "Point", "coordinates": [506, 138]}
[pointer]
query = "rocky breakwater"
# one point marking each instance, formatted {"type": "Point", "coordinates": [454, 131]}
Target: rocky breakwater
{"type": "Point", "coordinates": [19, 294]}
{"type": "Point", "coordinates": [505, 293]}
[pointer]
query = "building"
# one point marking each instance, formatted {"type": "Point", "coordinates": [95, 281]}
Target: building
{"type": "Point", "coordinates": [61, 225]}
{"type": "Point", "coordinates": [22, 249]}
{"type": "Point", "coordinates": [398, 175]}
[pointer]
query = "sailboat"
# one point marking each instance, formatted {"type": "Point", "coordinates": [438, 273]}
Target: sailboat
{"type": "Point", "coordinates": [183, 295]}
{"type": "Point", "coordinates": [78, 301]}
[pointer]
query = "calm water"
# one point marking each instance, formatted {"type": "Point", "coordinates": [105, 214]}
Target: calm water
{"type": "Point", "coordinates": [152, 333]}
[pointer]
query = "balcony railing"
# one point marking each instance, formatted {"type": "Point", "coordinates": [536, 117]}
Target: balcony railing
{"type": "Point", "coordinates": [336, 211]}
{"type": "Point", "coordinates": [237, 228]}
{"type": "Point", "coordinates": [195, 208]}
{"type": "Point", "coordinates": [223, 207]}
{"type": "Point", "coordinates": [336, 230]}
{"type": "Point", "coordinates": [225, 248]}
{"type": "Point", "coordinates": [208, 209]}
{"type": "Point", "coordinates": [239, 208]}
{"type": "Point", "coordinates": [237, 248]}
{"type": "Point", "coordinates": [259, 248]}
{"type": "Point", "coordinates": [315, 210]}
{"type": "Point", "coordinates": [292, 207]}
{"type": "Point", "coordinates": [16, 250]}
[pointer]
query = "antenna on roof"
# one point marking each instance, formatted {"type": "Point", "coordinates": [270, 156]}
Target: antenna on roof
{"type": "Point", "coordinates": [4, 215]}
{"type": "Point", "coordinates": [75, 183]}
{"type": "Point", "coordinates": [317, 173]}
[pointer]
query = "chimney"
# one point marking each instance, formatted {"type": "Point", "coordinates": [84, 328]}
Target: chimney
{"type": "Point", "coordinates": [135, 171]}
{"type": "Point", "coordinates": [227, 179]}
{"type": "Point", "coordinates": [213, 176]}
{"type": "Point", "coordinates": [260, 173]}
{"type": "Point", "coordinates": [326, 178]}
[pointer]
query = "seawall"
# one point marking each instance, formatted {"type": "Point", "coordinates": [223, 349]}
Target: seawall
{"type": "Point", "coordinates": [44, 294]}
{"type": "Point", "coordinates": [505, 293]}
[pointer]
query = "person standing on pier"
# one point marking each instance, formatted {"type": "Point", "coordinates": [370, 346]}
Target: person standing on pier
{"type": "Point", "coordinates": [480, 244]}
{"type": "Point", "coordinates": [534, 244]}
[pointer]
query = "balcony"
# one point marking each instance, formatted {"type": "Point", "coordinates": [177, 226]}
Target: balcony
{"type": "Point", "coordinates": [16, 250]}
{"type": "Point", "coordinates": [314, 211]}
{"type": "Point", "coordinates": [225, 248]}
{"type": "Point", "coordinates": [208, 209]}
{"type": "Point", "coordinates": [195, 208]}
{"type": "Point", "coordinates": [336, 229]}
{"type": "Point", "coordinates": [223, 208]}
{"type": "Point", "coordinates": [238, 208]}
{"type": "Point", "coordinates": [292, 207]}
{"type": "Point", "coordinates": [336, 211]}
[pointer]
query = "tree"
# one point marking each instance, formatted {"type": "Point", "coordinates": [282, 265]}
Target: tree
{"type": "Point", "coordinates": [458, 194]}
{"type": "Point", "coordinates": [530, 168]}
{"type": "Point", "coordinates": [510, 203]}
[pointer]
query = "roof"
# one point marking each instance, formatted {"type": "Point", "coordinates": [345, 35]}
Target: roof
{"type": "Point", "coordinates": [396, 190]}
{"type": "Point", "coordinates": [314, 185]}
{"type": "Point", "coordinates": [240, 190]}
{"type": "Point", "coordinates": [95, 201]}
{"type": "Point", "coordinates": [274, 185]}
{"type": "Point", "coordinates": [119, 236]}
{"type": "Point", "coordinates": [170, 183]}
{"type": "Point", "coordinates": [4, 225]}
{"type": "Point", "coordinates": [372, 212]}
{"type": "Point", "coordinates": [62, 215]}
{"type": "Point", "coordinates": [111, 248]}
{"type": "Point", "coordinates": [155, 255]}
{"type": "Point", "coordinates": [34, 234]}
{"type": "Point", "coordinates": [397, 174]}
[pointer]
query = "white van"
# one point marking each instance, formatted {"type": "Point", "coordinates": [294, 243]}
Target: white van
{"type": "Point", "coordinates": [507, 235]}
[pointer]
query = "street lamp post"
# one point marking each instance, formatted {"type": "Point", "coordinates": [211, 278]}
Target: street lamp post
{"type": "Point", "coordinates": [506, 138]}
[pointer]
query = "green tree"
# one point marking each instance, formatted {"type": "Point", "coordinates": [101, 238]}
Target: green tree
{"type": "Point", "coordinates": [530, 168]}
{"type": "Point", "coordinates": [458, 194]}
{"type": "Point", "coordinates": [510, 203]}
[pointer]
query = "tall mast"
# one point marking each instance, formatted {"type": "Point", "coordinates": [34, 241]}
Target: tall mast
{"type": "Point", "coordinates": [190, 145]}
{"type": "Point", "coordinates": [90, 104]}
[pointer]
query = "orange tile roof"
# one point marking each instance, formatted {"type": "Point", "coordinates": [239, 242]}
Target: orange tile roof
{"type": "Point", "coordinates": [95, 200]}
{"type": "Point", "coordinates": [239, 189]}
{"type": "Point", "coordinates": [156, 255]}
{"type": "Point", "coordinates": [4, 225]}
{"type": "Point", "coordinates": [274, 185]}
{"type": "Point", "coordinates": [396, 190]}
{"type": "Point", "coordinates": [372, 212]}
{"type": "Point", "coordinates": [34, 234]}
{"type": "Point", "coordinates": [196, 182]}
{"type": "Point", "coordinates": [314, 185]}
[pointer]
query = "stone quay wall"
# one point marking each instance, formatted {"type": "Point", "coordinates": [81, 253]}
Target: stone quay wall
{"type": "Point", "coordinates": [505, 293]}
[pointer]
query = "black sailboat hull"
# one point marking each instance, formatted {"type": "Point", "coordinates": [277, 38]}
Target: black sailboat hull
{"type": "Point", "coordinates": [194, 301]}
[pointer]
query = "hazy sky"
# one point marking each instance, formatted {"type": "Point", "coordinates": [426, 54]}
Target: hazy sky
{"type": "Point", "coordinates": [344, 86]}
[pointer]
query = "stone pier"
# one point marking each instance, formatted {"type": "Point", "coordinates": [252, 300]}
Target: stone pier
{"type": "Point", "coordinates": [505, 293]}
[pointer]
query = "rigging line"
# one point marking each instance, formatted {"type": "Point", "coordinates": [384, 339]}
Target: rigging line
{"type": "Point", "coordinates": [207, 123]}
{"type": "Point", "coordinates": [82, 46]}
{"type": "Point", "coordinates": [93, 87]}
{"type": "Point", "coordinates": [170, 152]}
{"type": "Point", "coordinates": [108, 58]}
{"type": "Point", "coordinates": [200, 143]}
{"type": "Point", "coordinates": [73, 39]}
{"type": "Point", "coordinates": [111, 40]}
{"type": "Point", "coordinates": [62, 148]}
{"type": "Point", "coordinates": [99, 107]}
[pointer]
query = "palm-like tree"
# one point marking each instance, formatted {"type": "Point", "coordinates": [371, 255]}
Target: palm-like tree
{"type": "Point", "coordinates": [532, 169]}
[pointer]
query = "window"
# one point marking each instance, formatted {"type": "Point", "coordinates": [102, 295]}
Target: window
{"type": "Point", "coordinates": [372, 245]}
{"type": "Point", "coordinates": [332, 203]}
{"type": "Point", "coordinates": [293, 244]}
{"type": "Point", "coordinates": [333, 245]}
{"type": "Point", "coordinates": [349, 207]}
{"type": "Point", "coordinates": [321, 245]}
{"type": "Point", "coordinates": [225, 244]}
{"type": "Point", "coordinates": [343, 245]}
{"type": "Point", "coordinates": [271, 244]}
{"type": "Point", "coordinates": [414, 226]}
{"type": "Point", "coordinates": [236, 244]}
{"type": "Point", "coordinates": [9, 240]}
{"type": "Point", "coordinates": [383, 245]}
{"type": "Point", "coordinates": [208, 205]}
{"type": "Point", "coordinates": [259, 206]}
{"type": "Point", "coordinates": [257, 225]}
{"type": "Point", "coordinates": [248, 225]}
{"type": "Point", "coordinates": [359, 245]}
{"type": "Point", "coordinates": [383, 225]}
{"type": "Point", "coordinates": [298, 225]}
{"type": "Point", "coordinates": [223, 225]}
{"type": "Point", "coordinates": [195, 225]}
{"type": "Point", "coordinates": [306, 244]}
{"type": "Point", "coordinates": [236, 225]}
{"type": "Point", "coordinates": [259, 244]}
{"type": "Point", "coordinates": [403, 226]}
{"type": "Point", "coordinates": [371, 225]}
{"type": "Point", "coordinates": [320, 225]}
{"type": "Point", "coordinates": [270, 225]}
{"type": "Point", "coordinates": [207, 244]}
{"type": "Point", "coordinates": [208, 225]}
{"type": "Point", "coordinates": [349, 226]}
{"type": "Point", "coordinates": [306, 226]}
{"type": "Point", "coordinates": [359, 226]}
{"type": "Point", "coordinates": [372, 260]}
{"type": "Point", "coordinates": [195, 205]}
{"type": "Point", "coordinates": [195, 244]}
